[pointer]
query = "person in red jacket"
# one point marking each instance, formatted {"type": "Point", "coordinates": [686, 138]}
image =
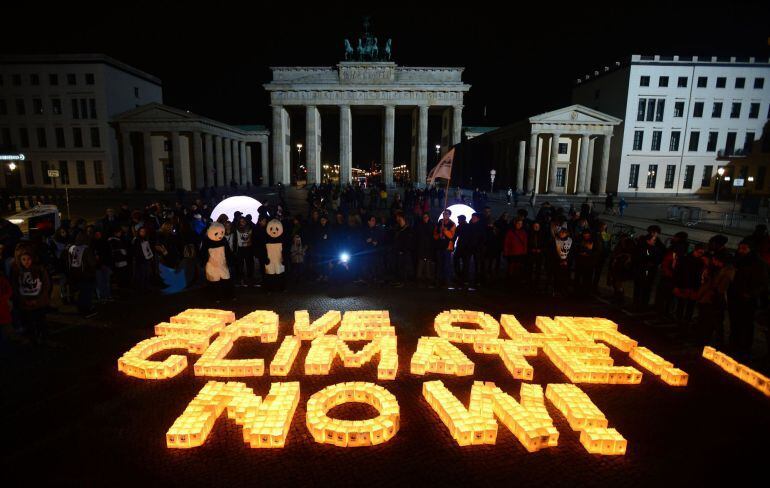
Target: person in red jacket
{"type": "Point", "coordinates": [515, 249]}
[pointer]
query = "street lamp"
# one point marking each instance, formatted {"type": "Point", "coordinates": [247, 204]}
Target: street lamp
{"type": "Point", "coordinates": [720, 173]}
{"type": "Point", "coordinates": [492, 174]}
{"type": "Point", "coordinates": [438, 150]}
{"type": "Point", "coordinates": [12, 166]}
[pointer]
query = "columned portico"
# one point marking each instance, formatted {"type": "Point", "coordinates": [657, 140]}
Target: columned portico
{"type": "Point", "coordinates": [220, 162]}
{"type": "Point", "coordinates": [346, 144]}
{"type": "Point", "coordinates": [197, 143]}
{"type": "Point", "coordinates": [313, 142]}
{"type": "Point", "coordinates": [554, 159]}
{"type": "Point", "coordinates": [210, 171]}
{"type": "Point", "coordinates": [389, 138]}
{"type": "Point", "coordinates": [422, 145]}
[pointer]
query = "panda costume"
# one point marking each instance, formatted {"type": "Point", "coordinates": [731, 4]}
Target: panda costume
{"type": "Point", "coordinates": [215, 252]}
{"type": "Point", "coordinates": [274, 246]}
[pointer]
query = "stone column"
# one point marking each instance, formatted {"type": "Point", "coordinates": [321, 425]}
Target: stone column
{"type": "Point", "coordinates": [605, 163]}
{"type": "Point", "coordinates": [210, 180]}
{"type": "Point", "coordinates": [236, 161]}
{"type": "Point", "coordinates": [457, 124]}
{"type": "Point", "coordinates": [265, 162]}
{"type": "Point", "coordinates": [154, 180]}
{"type": "Point", "coordinates": [520, 166]}
{"type": "Point", "coordinates": [590, 166]}
{"type": "Point", "coordinates": [532, 162]}
{"type": "Point", "coordinates": [346, 146]}
{"type": "Point", "coordinates": [220, 162]}
{"type": "Point", "coordinates": [129, 172]}
{"type": "Point", "coordinates": [388, 140]}
{"type": "Point", "coordinates": [553, 160]}
{"type": "Point", "coordinates": [181, 169]}
{"type": "Point", "coordinates": [197, 147]}
{"type": "Point", "coordinates": [281, 170]}
{"type": "Point", "coordinates": [228, 148]}
{"type": "Point", "coordinates": [585, 141]}
{"type": "Point", "coordinates": [422, 146]}
{"type": "Point", "coordinates": [313, 143]}
{"type": "Point", "coordinates": [245, 164]}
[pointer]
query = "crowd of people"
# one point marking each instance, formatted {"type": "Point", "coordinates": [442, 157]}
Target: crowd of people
{"type": "Point", "coordinates": [376, 236]}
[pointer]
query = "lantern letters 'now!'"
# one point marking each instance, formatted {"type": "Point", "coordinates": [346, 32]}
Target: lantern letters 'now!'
{"type": "Point", "coordinates": [578, 346]}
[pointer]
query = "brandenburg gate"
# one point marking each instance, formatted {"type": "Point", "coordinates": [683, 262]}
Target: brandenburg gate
{"type": "Point", "coordinates": [368, 82]}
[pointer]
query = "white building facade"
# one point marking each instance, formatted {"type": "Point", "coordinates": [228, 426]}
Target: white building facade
{"type": "Point", "coordinates": [56, 110]}
{"type": "Point", "coordinates": [683, 118]}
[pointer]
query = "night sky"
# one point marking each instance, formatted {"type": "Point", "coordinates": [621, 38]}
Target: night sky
{"type": "Point", "coordinates": [214, 57]}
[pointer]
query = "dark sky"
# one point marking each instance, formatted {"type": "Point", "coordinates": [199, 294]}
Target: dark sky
{"type": "Point", "coordinates": [213, 56]}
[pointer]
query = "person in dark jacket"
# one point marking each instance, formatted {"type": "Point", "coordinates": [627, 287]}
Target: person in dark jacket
{"type": "Point", "coordinates": [536, 252]}
{"type": "Point", "coordinates": [82, 273]}
{"type": "Point", "coordinates": [462, 252]}
{"type": "Point", "coordinates": [688, 277]}
{"type": "Point", "coordinates": [444, 235]}
{"type": "Point", "coordinates": [646, 259]}
{"type": "Point", "coordinates": [31, 289]}
{"type": "Point", "coordinates": [425, 249]}
{"type": "Point", "coordinates": [742, 298]}
{"type": "Point", "coordinates": [586, 256]}
{"type": "Point", "coordinates": [373, 242]}
{"type": "Point", "coordinates": [402, 249]}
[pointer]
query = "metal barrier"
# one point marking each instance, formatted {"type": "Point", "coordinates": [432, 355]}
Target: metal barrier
{"type": "Point", "coordinates": [684, 214]}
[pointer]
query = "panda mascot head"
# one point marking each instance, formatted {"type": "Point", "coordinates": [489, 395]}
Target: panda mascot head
{"type": "Point", "coordinates": [216, 259]}
{"type": "Point", "coordinates": [216, 234]}
{"type": "Point", "coordinates": [274, 231]}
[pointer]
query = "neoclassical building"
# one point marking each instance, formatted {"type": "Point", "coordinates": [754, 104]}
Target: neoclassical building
{"type": "Point", "coordinates": [564, 151]}
{"type": "Point", "coordinates": [357, 85]}
{"type": "Point", "coordinates": [163, 148]}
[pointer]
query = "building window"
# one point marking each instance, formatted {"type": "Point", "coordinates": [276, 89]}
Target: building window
{"type": "Point", "coordinates": [759, 83]}
{"type": "Point", "coordinates": [16, 80]}
{"type": "Point", "coordinates": [45, 167]}
{"type": "Point", "coordinates": [77, 137]}
{"type": "Point", "coordinates": [682, 82]}
{"type": "Point", "coordinates": [64, 172]}
{"type": "Point", "coordinates": [136, 92]}
{"type": "Point", "coordinates": [694, 139]}
{"type": "Point", "coordinates": [80, 167]}
{"type": "Point", "coordinates": [744, 172]}
{"type": "Point", "coordinates": [34, 79]}
{"type": "Point", "coordinates": [29, 173]}
{"type": "Point", "coordinates": [705, 180]}
{"type": "Point", "coordinates": [563, 146]}
{"type": "Point", "coordinates": [748, 143]}
{"type": "Point", "coordinates": [740, 83]}
{"type": "Point", "coordinates": [96, 140]}
{"type": "Point", "coordinates": [3, 107]}
{"type": "Point", "coordinates": [716, 110]}
{"type": "Point", "coordinates": [735, 110]}
{"type": "Point", "coordinates": [721, 82]}
{"type": "Point", "coordinates": [75, 109]}
{"type": "Point", "coordinates": [650, 109]}
{"type": "Point", "coordinates": [59, 131]}
{"type": "Point", "coordinates": [697, 110]}
{"type": "Point", "coordinates": [71, 80]}
{"type": "Point", "coordinates": [23, 137]}
{"type": "Point", "coordinates": [56, 106]}
{"type": "Point", "coordinates": [92, 107]}
{"type": "Point", "coordinates": [689, 174]}
{"type": "Point", "coordinates": [678, 109]}
{"type": "Point", "coordinates": [596, 94]}
{"type": "Point", "coordinates": [759, 182]}
{"type": "Point", "coordinates": [702, 82]}
{"type": "Point", "coordinates": [89, 78]}
{"type": "Point", "coordinates": [5, 132]}
{"type": "Point", "coordinates": [37, 106]}
{"type": "Point", "coordinates": [754, 111]}
{"type": "Point", "coordinates": [53, 79]}
{"type": "Point", "coordinates": [83, 108]}
{"type": "Point", "coordinates": [638, 140]}
{"type": "Point", "coordinates": [670, 173]}
{"type": "Point", "coordinates": [656, 137]}
{"type": "Point", "coordinates": [659, 111]}
{"type": "Point", "coordinates": [730, 143]}
{"type": "Point", "coordinates": [20, 108]}
{"type": "Point", "coordinates": [652, 175]}
{"type": "Point", "coordinates": [640, 110]}
{"type": "Point", "coordinates": [633, 176]}
{"type": "Point", "coordinates": [644, 81]}
{"type": "Point", "coordinates": [42, 140]}
{"type": "Point", "coordinates": [663, 81]}
{"type": "Point", "coordinates": [711, 146]}
{"type": "Point", "coordinates": [98, 173]}
{"type": "Point", "coordinates": [674, 144]}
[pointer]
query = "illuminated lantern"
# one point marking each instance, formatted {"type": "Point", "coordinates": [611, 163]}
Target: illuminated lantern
{"type": "Point", "coordinates": [360, 325]}
{"type": "Point", "coordinates": [228, 206]}
{"type": "Point", "coordinates": [457, 210]}
{"type": "Point", "coordinates": [518, 333]}
{"type": "Point", "coordinates": [324, 349]}
{"type": "Point", "coordinates": [265, 422]}
{"type": "Point", "coordinates": [260, 323]}
{"type": "Point", "coordinates": [600, 329]}
{"type": "Point", "coordinates": [135, 363]}
{"type": "Point", "coordinates": [585, 417]}
{"type": "Point", "coordinates": [528, 419]}
{"type": "Point", "coordinates": [443, 323]}
{"type": "Point", "coordinates": [308, 331]}
{"type": "Point", "coordinates": [588, 362]}
{"type": "Point", "coordinates": [438, 355]}
{"type": "Point", "coordinates": [753, 378]}
{"type": "Point", "coordinates": [284, 358]}
{"type": "Point", "coordinates": [353, 433]}
{"type": "Point", "coordinates": [512, 353]}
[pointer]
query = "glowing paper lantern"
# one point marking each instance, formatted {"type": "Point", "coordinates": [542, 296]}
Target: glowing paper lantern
{"type": "Point", "coordinates": [365, 325]}
{"type": "Point", "coordinates": [588, 362]}
{"type": "Point", "coordinates": [135, 363]}
{"type": "Point", "coordinates": [438, 355]}
{"type": "Point", "coordinates": [324, 349]}
{"type": "Point", "coordinates": [243, 204]}
{"type": "Point", "coordinates": [443, 323]}
{"type": "Point", "coordinates": [284, 358]}
{"type": "Point", "coordinates": [584, 416]}
{"type": "Point", "coordinates": [528, 420]}
{"type": "Point", "coordinates": [753, 378]}
{"type": "Point", "coordinates": [353, 433]}
{"type": "Point", "coordinates": [308, 331]}
{"type": "Point", "coordinates": [265, 423]}
{"type": "Point", "coordinates": [457, 210]}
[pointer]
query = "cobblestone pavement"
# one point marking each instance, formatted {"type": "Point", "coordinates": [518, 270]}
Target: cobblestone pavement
{"type": "Point", "coordinates": [70, 418]}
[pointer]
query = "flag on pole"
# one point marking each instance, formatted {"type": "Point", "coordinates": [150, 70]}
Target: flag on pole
{"type": "Point", "coordinates": [444, 167]}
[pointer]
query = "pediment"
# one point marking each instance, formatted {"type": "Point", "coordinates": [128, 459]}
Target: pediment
{"type": "Point", "coordinates": [575, 114]}
{"type": "Point", "coordinates": [155, 111]}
